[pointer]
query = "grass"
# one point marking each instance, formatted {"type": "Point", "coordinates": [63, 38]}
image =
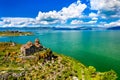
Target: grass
{"type": "Point", "coordinates": [60, 67]}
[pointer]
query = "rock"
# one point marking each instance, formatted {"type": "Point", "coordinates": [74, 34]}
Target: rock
{"type": "Point", "coordinates": [5, 76]}
{"type": "Point", "coordinates": [75, 78]}
{"type": "Point", "coordinates": [12, 44]}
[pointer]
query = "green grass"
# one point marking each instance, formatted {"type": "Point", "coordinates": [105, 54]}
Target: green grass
{"type": "Point", "coordinates": [60, 68]}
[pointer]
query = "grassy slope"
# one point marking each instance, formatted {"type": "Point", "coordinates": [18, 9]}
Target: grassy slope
{"type": "Point", "coordinates": [60, 68]}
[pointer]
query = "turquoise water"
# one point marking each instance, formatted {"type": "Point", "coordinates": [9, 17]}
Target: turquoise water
{"type": "Point", "coordinates": [97, 48]}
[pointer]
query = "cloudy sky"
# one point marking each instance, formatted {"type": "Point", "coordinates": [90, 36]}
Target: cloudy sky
{"type": "Point", "coordinates": [59, 13]}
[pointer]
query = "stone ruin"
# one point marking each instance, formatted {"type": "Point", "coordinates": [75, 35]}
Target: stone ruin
{"type": "Point", "coordinates": [30, 48]}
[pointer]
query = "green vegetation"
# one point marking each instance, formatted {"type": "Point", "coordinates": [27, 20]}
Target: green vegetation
{"type": "Point", "coordinates": [14, 33]}
{"type": "Point", "coordinates": [42, 66]}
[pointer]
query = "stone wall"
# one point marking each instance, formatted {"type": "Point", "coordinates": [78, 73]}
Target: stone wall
{"type": "Point", "coordinates": [30, 48]}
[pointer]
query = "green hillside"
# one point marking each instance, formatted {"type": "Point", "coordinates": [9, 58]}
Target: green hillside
{"type": "Point", "coordinates": [45, 65]}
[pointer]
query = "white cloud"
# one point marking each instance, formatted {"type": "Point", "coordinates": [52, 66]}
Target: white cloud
{"type": "Point", "coordinates": [97, 4]}
{"type": "Point", "coordinates": [47, 23]}
{"type": "Point", "coordinates": [94, 19]}
{"type": "Point", "coordinates": [1, 23]}
{"type": "Point", "coordinates": [73, 11]}
{"type": "Point", "coordinates": [76, 22]}
{"type": "Point", "coordinates": [51, 15]}
{"type": "Point", "coordinates": [91, 22]}
{"type": "Point", "coordinates": [104, 4]}
{"type": "Point", "coordinates": [93, 15]}
{"type": "Point", "coordinates": [116, 23]}
{"type": "Point", "coordinates": [10, 22]}
{"type": "Point", "coordinates": [107, 8]}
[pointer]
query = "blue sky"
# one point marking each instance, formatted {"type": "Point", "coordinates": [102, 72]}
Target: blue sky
{"type": "Point", "coordinates": [30, 8]}
{"type": "Point", "coordinates": [59, 13]}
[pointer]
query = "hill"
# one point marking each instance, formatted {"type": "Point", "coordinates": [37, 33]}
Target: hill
{"type": "Point", "coordinates": [44, 65]}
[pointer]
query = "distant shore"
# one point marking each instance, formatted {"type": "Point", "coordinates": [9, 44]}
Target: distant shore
{"type": "Point", "coordinates": [14, 33]}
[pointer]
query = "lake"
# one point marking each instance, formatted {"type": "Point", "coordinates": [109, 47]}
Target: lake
{"type": "Point", "coordinates": [100, 49]}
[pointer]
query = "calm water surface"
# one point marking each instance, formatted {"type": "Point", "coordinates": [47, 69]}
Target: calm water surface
{"type": "Point", "coordinates": [97, 48]}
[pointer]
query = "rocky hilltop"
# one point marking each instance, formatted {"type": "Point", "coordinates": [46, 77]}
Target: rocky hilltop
{"type": "Point", "coordinates": [32, 61]}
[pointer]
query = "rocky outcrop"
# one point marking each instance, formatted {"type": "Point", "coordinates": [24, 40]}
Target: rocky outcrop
{"type": "Point", "coordinates": [30, 48]}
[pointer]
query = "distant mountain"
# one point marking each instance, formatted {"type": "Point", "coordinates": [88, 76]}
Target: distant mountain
{"type": "Point", "coordinates": [77, 28]}
{"type": "Point", "coordinates": [23, 28]}
{"type": "Point", "coordinates": [114, 28]}
{"type": "Point", "coordinates": [54, 28]}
